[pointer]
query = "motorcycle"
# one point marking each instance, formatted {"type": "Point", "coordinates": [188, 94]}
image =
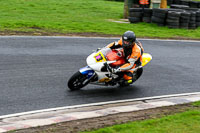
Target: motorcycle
{"type": "Point", "coordinates": [100, 69]}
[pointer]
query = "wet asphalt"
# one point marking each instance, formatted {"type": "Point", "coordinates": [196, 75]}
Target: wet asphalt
{"type": "Point", "coordinates": [34, 72]}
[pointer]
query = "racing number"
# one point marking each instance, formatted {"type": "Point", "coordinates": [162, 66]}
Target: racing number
{"type": "Point", "coordinates": [99, 57]}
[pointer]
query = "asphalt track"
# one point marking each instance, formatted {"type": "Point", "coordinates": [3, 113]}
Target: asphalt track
{"type": "Point", "coordinates": [34, 72]}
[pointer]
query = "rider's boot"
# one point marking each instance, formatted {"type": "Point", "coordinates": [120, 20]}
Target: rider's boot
{"type": "Point", "coordinates": [124, 82]}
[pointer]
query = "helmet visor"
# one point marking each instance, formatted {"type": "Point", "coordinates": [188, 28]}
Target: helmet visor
{"type": "Point", "coordinates": [127, 43]}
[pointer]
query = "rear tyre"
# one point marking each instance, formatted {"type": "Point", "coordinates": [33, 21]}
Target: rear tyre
{"type": "Point", "coordinates": [77, 81]}
{"type": "Point", "coordinates": [137, 75]}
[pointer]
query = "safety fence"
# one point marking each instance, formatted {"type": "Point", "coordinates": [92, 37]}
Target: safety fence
{"type": "Point", "coordinates": [177, 16]}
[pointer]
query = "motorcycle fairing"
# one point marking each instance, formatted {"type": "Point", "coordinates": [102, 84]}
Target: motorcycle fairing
{"type": "Point", "coordinates": [90, 73]}
{"type": "Point", "coordinates": [146, 58]}
{"type": "Point", "coordinates": [117, 56]}
{"type": "Point", "coordinates": [87, 71]}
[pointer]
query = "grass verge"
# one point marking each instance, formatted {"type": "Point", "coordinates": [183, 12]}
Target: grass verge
{"type": "Point", "coordinates": [186, 122]}
{"type": "Point", "coordinates": [183, 118]}
{"type": "Point", "coordinates": [77, 16]}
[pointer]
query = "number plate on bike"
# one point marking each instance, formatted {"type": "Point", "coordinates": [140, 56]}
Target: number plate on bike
{"type": "Point", "coordinates": [99, 57]}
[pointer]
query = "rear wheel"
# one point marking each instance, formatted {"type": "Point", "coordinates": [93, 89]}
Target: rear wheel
{"type": "Point", "coordinates": [137, 74]}
{"type": "Point", "coordinates": [77, 81]}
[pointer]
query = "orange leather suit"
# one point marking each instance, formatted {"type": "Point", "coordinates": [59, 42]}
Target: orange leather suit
{"type": "Point", "coordinates": [133, 57]}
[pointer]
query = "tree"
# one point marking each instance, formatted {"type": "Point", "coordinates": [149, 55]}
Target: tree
{"type": "Point", "coordinates": [125, 8]}
{"type": "Point", "coordinates": [163, 4]}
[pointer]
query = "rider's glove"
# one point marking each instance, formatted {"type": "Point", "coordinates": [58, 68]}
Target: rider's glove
{"type": "Point", "coordinates": [114, 70]}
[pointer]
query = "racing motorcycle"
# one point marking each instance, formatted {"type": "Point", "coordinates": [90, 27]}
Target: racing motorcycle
{"type": "Point", "coordinates": [100, 69]}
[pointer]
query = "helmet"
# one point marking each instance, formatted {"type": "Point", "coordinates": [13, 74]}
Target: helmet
{"type": "Point", "coordinates": [128, 39]}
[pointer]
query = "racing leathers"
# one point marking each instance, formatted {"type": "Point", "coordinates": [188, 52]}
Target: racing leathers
{"type": "Point", "coordinates": [133, 59]}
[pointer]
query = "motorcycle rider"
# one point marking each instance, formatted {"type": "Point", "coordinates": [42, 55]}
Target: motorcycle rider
{"type": "Point", "coordinates": [133, 51]}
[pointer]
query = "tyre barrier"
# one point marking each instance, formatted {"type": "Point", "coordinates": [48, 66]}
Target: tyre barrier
{"type": "Point", "coordinates": [176, 2]}
{"type": "Point", "coordinates": [198, 18]}
{"type": "Point", "coordinates": [135, 15]}
{"type": "Point", "coordinates": [191, 4]}
{"type": "Point", "coordinates": [184, 2]}
{"type": "Point", "coordinates": [175, 17]}
{"type": "Point", "coordinates": [184, 20]}
{"type": "Point", "coordinates": [159, 16]}
{"type": "Point", "coordinates": [192, 22]}
{"type": "Point", "coordinates": [169, 2]}
{"type": "Point", "coordinates": [179, 6]}
{"type": "Point", "coordinates": [194, 4]}
{"type": "Point", "coordinates": [147, 13]}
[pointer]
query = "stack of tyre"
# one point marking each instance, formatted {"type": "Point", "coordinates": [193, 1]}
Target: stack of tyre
{"type": "Point", "coordinates": [194, 4]}
{"type": "Point", "coordinates": [176, 2]}
{"type": "Point", "coordinates": [184, 2]}
{"type": "Point", "coordinates": [174, 6]}
{"type": "Point", "coordinates": [173, 19]}
{"type": "Point", "coordinates": [185, 19]}
{"type": "Point", "coordinates": [147, 13]}
{"type": "Point", "coordinates": [178, 16]}
{"type": "Point", "coordinates": [169, 2]}
{"type": "Point", "coordinates": [188, 17]}
{"type": "Point", "coordinates": [135, 15]}
{"type": "Point", "coordinates": [140, 15]}
{"type": "Point", "coordinates": [198, 18]}
{"type": "Point", "coordinates": [192, 22]}
{"type": "Point", "coordinates": [191, 4]}
{"type": "Point", "coordinates": [159, 16]}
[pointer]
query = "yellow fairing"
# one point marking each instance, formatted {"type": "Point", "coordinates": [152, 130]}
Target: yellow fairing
{"type": "Point", "coordinates": [146, 58]}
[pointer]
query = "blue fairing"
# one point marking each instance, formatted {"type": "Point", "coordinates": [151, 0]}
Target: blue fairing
{"type": "Point", "coordinates": [87, 71]}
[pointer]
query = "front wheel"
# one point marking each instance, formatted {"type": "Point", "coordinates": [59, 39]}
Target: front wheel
{"type": "Point", "coordinates": [77, 81]}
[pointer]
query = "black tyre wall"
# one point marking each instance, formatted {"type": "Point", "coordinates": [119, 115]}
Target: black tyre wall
{"type": "Point", "coordinates": [135, 15]}
{"type": "Point", "coordinates": [159, 16]}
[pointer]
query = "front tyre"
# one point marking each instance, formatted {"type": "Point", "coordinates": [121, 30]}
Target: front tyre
{"type": "Point", "coordinates": [77, 81]}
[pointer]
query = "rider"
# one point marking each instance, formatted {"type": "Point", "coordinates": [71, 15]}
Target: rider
{"type": "Point", "coordinates": [133, 51]}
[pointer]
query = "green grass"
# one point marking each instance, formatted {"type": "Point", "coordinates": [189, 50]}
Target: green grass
{"type": "Point", "coordinates": [77, 16]}
{"type": "Point", "coordinates": [196, 104]}
{"type": "Point", "coordinates": [187, 122]}
{"type": "Point", "coordinates": [59, 15]}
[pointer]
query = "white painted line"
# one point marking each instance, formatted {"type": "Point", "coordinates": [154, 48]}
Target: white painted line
{"type": "Point", "coordinates": [59, 37]}
{"type": "Point", "coordinates": [167, 40]}
{"type": "Point", "coordinates": [97, 104]}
